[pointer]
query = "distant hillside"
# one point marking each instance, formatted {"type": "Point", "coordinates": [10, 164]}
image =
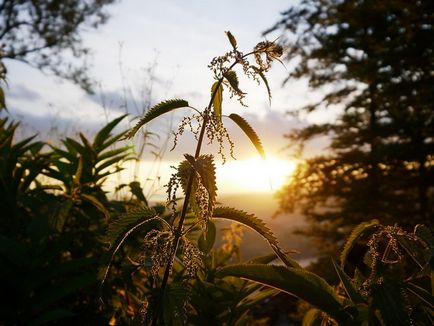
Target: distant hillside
{"type": "Point", "coordinates": [264, 205]}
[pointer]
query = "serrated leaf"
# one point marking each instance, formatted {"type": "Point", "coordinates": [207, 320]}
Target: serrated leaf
{"type": "Point", "coordinates": [425, 234]}
{"type": "Point", "coordinates": [156, 111]}
{"type": "Point", "coordinates": [349, 288]}
{"type": "Point", "coordinates": [249, 131]}
{"type": "Point", "coordinates": [298, 282]}
{"type": "Point", "coordinates": [232, 78]}
{"type": "Point", "coordinates": [264, 79]}
{"type": "Point", "coordinates": [357, 232]}
{"type": "Point", "coordinates": [232, 39]}
{"type": "Point", "coordinates": [123, 226]}
{"type": "Point", "coordinates": [217, 88]}
{"type": "Point", "coordinates": [207, 238]}
{"type": "Point", "coordinates": [256, 224]}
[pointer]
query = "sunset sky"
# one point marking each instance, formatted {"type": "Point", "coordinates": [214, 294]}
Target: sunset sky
{"type": "Point", "coordinates": [175, 41]}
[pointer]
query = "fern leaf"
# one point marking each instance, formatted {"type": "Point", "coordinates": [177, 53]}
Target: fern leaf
{"type": "Point", "coordinates": [126, 224]}
{"type": "Point", "coordinates": [256, 224]}
{"type": "Point", "coordinates": [301, 283]}
{"type": "Point", "coordinates": [154, 112]}
{"type": "Point", "coordinates": [232, 78]}
{"type": "Point", "coordinates": [249, 131]}
{"type": "Point", "coordinates": [217, 88]}
{"type": "Point", "coordinates": [264, 79]}
{"type": "Point", "coordinates": [232, 39]}
{"type": "Point", "coordinates": [356, 234]}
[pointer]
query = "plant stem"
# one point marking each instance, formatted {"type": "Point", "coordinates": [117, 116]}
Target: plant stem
{"type": "Point", "coordinates": [188, 190]}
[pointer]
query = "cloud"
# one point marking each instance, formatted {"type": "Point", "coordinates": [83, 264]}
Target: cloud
{"type": "Point", "coordinates": [21, 92]}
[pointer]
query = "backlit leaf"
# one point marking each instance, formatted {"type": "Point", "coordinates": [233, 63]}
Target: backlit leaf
{"type": "Point", "coordinates": [249, 131]}
{"type": "Point", "coordinates": [298, 282]}
{"type": "Point", "coordinates": [232, 39]}
{"type": "Point", "coordinates": [256, 224]}
{"type": "Point", "coordinates": [217, 88]}
{"type": "Point", "coordinates": [156, 111]}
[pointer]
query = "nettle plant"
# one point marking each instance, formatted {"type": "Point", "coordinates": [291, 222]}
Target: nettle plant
{"type": "Point", "coordinates": [386, 273]}
{"type": "Point", "coordinates": [169, 240]}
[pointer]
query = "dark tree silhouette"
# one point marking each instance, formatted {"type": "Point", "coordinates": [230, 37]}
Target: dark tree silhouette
{"type": "Point", "coordinates": [46, 34]}
{"type": "Point", "coordinates": [374, 60]}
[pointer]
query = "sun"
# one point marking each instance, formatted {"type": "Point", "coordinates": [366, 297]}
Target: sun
{"type": "Point", "coordinates": [254, 175]}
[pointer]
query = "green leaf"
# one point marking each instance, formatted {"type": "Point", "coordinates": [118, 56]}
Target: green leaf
{"type": "Point", "coordinates": [205, 167]}
{"type": "Point", "coordinates": [231, 77]}
{"type": "Point", "coordinates": [231, 39]}
{"type": "Point", "coordinates": [58, 219]}
{"type": "Point", "coordinates": [356, 234]}
{"type": "Point", "coordinates": [256, 224]}
{"type": "Point", "coordinates": [154, 112]}
{"type": "Point", "coordinates": [126, 224]}
{"type": "Point", "coordinates": [422, 294]}
{"type": "Point", "coordinates": [97, 204]}
{"type": "Point", "coordinates": [298, 282]}
{"type": "Point", "coordinates": [425, 234]}
{"type": "Point", "coordinates": [104, 133]}
{"type": "Point", "coordinates": [137, 191]}
{"type": "Point", "coordinates": [388, 299]}
{"type": "Point", "coordinates": [312, 318]}
{"type": "Point", "coordinates": [217, 88]}
{"type": "Point", "coordinates": [264, 79]}
{"type": "Point", "coordinates": [349, 288]}
{"type": "Point", "coordinates": [207, 238]}
{"type": "Point", "coordinates": [249, 131]}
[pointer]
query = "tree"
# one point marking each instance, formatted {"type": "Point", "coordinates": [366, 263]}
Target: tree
{"type": "Point", "coordinates": [374, 62]}
{"type": "Point", "coordinates": [46, 34]}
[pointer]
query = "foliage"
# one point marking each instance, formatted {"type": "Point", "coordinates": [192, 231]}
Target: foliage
{"type": "Point", "coordinates": [196, 176]}
{"type": "Point", "coordinates": [371, 62]}
{"type": "Point", "coordinates": [390, 286]}
{"type": "Point", "coordinates": [41, 33]}
{"type": "Point", "coordinates": [50, 231]}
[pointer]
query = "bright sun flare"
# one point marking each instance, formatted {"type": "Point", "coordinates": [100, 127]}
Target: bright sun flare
{"type": "Point", "coordinates": [254, 175]}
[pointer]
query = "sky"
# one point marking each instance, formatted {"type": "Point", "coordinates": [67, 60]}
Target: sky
{"type": "Point", "coordinates": [150, 51]}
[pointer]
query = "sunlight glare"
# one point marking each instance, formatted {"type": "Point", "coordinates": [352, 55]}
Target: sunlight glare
{"type": "Point", "coordinates": [254, 175]}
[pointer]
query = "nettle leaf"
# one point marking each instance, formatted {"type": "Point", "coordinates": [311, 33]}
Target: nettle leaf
{"type": "Point", "coordinates": [361, 230]}
{"type": "Point", "coordinates": [205, 168]}
{"type": "Point", "coordinates": [264, 79]}
{"type": "Point", "coordinates": [349, 288]}
{"type": "Point", "coordinates": [126, 224]}
{"type": "Point", "coordinates": [207, 238]}
{"type": "Point", "coordinates": [232, 78]}
{"type": "Point", "coordinates": [249, 131]}
{"type": "Point", "coordinates": [156, 111]}
{"type": "Point", "coordinates": [298, 282]}
{"type": "Point", "coordinates": [217, 88]}
{"type": "Point", "coordinates": [425, 234]}
{"type": "Point", "coordinates": [231, 39]}
{"type": "Point", "coordinates": [256, 224]}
